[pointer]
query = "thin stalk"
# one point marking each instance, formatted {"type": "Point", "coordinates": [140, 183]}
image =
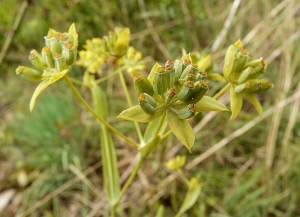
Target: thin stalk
{"type": "Point", "coordinates": [161, 121]}
{"type": "Point", "coordinates": [76, 81]}
{"type": "Point", "coordinates": [77, 94]}
{"type": "Point", "coordinates": [129, 181]}
{"type": "Point", "coordinates": [180, 173]}
{"type": "Point", "coordinates": [222, 91]}
{"type": "Point", "coordinates": [110, 75]}
{"type": "Point", "coordinates": [165, 135]}
{"type": "Point", "coordinates": [138, 130]}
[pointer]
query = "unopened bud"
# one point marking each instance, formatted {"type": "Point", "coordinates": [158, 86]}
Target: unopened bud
{"type": "Point", "coordinates": [143, 85]}
{"type": "Point", "coordinates": [59, 62]}
{"type": "Point", "coordinates": [29, 73]}
{"type": "Point", "coordinates": [48, 58]}
{"type": "Point", "coordinates": [37, 60]}
{"type": "Point", "coordinates": [69, 54]}
{"type": "Point", "coordinates": [187, 112]}
{"type": "Point", "coordinates": [147, 103]}
{"type": "Point", "coordinates": [200, 89]}
{"type": "Point", "coordinates": [185, 91]}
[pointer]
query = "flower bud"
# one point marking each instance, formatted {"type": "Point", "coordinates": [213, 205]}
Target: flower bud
{"type": "Point", "coordinates": [202, 74]}
{"type": "Point", "coordinates": [254, 86]}
{"type": "Point", "coordinates": [159, 83]}
{"type": "Point", "coordinates": [29, 73]}
{"type": "Point", "coordinates": [143, 85]}
{"type": "Point", "coordinates": [53, 43]}
{"type": "Point", "coordinates": [147, 103]}
{"type": "Point", "coordinates": [169, 79]}
{"type": "Point", "coordinates": [178, 66]}
{"type": "Point", "coordinates": [185, 91]}
{"type": "Point", "coordinates": [37, 60]}
{"type": "Point", "coordinates": [69, 54]}
{"type": "Point", "coordinates": [192, 68]}
{"type": "Point", "coordinates": [47, 56]}
{"type": "Point", "coordinates": [252, 73]}
{"type": "Point", "coordinates": [176, 163]}
{"type": "Point", "coordinates": [200, 89]}
{"type": "Point", "coordinates": [59, 62]}
{"type": "Point", "coordinates": [65, 38]}
{"type": "Point", "coordinates": [171, 94]}
{"type": "Point", "coordinates": [187, 112]}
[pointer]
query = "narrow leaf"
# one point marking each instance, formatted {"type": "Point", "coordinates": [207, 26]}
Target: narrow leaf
{"type": "Point", "coordinates": [149, 147]}
{"type": "Point", "coordinates": [236, 102]}
{"type": "Point", "coordinates": [191, 196]}
{"type": "Point", "coordinates": [182, 130]}
{"type": "Point", "coordinates": [255, 103]}
{"type": "Point", "coordinates": [160, 211]}
{"type": "Point", "coordinates": [228, 63]}
{"type": "Point", "coordinates": [215, 77]}
{"type": "Point", "coordinates": [42, 86]}
{"type": "Point", "coordinates": [73, 33]}
{"type": "Point", "coordinates": [56, 76]}
{"type": "Point", "coordinates": [207, 104]}
{"type": "Point", "coordinates": [136, 113]}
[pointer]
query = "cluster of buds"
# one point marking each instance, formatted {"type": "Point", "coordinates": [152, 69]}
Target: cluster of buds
{"type": "Point", "coordinates": [58, 54]}
{"type": "Point", "coordinates": [53, 62]}
{"type": "Point", "coordinates": [177, 86]}
{"type": "Point", "coordinates": [244, 72]}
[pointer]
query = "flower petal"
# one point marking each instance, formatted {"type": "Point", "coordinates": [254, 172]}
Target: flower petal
{"type": "Point", "coordinates": [42, 86]}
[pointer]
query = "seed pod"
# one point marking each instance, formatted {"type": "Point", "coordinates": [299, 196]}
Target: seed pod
{"type": "Point", "coordinates": [200, 89]}
{"type": "Point", "coordinates": [242, 58]}
{"type": "Point", "coordinates": [169, 79]}
{"type": "Point", "coordinates": [29, 73]}
{"type": "Point", "coordinates": [255, 63]}
{"type": "Point", "coordinates": [147, 103]}
{"type": "Point", "coordinates": [69, 54]}
{"type": "Point", "coordinates": [65, 38]}
{"type": "Point", "coordinates": [252, 73]}
{"type": "Point", "coordinates": [185, 91]}
{"type": "Point", "coordinates": [59, 62]}
{"type": "Point", "coordinates": [159, 86]}
{"type": "Point", "coordinates": [171, 94]}
{"type": "Point", "coordinates": [37, 60]}
{"type": "Point", "coordinates": [202, 75]}
{"type": "Point", "coordinates": [48, 58]}
{"type": "Point", "coordinates": [143, 85]}
{"type": "Point", "coordinates": [187, 112]}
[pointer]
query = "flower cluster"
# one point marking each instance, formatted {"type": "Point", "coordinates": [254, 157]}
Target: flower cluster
{"type": "Point", "coordinates": [243, 73]}
{"type": "Point", "coordinates": [176, 90]}
{"type": "Point", "coordinates": [114, 50]}
{"type": "Point", "coordinates": [53, 62]}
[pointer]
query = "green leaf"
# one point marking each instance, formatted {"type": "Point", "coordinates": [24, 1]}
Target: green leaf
{"type": "Point", "coordinates": [99, 99]}
{"type": "Point", "coordinates": [56, 76]}
{"type": "Point", "coordinates": [236, 102]}
{"type": "Point", "coordinates": [207, 104]}
{"type": "Point", "coordinates": [252, 98]}
{"type": "Point", "coordinates": [152, 72]}
{"type": "Point", "coordinates": [228, 62]}
{"type": "Point", "coordinates": [149, 147]}
{"type": "Point", "coordinates": [160, 211]}
{"type": "Point", "coordinates": [191, 196]}
{"type": "Point", "coordinates": [42, 86]}
{"type": "Point", "coordinates": [182, 130]}
{"type": "Point", "coordinates": [204, 63]}
{"type": "Point", "coordinates": [110, 169]}
{"type": "Point", "coordinates": [136, 113]}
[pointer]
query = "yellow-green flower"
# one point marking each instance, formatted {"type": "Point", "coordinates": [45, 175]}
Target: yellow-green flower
{"type": "Point", "coordinates": [54, 62]}
{"type": "Point", "coordinates": [176, 163]}
{"type": "Point", "coordinates": [243, 74]}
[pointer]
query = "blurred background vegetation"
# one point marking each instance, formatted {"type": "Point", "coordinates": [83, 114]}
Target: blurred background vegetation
{"type": "Point", "coordinates": [50, 163]}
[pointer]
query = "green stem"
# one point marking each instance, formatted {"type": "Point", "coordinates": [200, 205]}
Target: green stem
{"type": "Point", "coordinates": [222, 91]}
{"type": "Point", "coordinates": [179, 171]}
{"type": "Point", "coordinates": [166, 134]}
{"type": "Point", "coordinates": [76, 81]}
{"type": "Point", "coordinates": [161, 121]}
{"type": "Point", "coordinates": [138, 130]}
{"type": "Point", "coordinates": [110, 75]}
{"type": "Point", "coordinates": [129, 181]}
{"type": "Point", "coordinates": [77, 94]}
